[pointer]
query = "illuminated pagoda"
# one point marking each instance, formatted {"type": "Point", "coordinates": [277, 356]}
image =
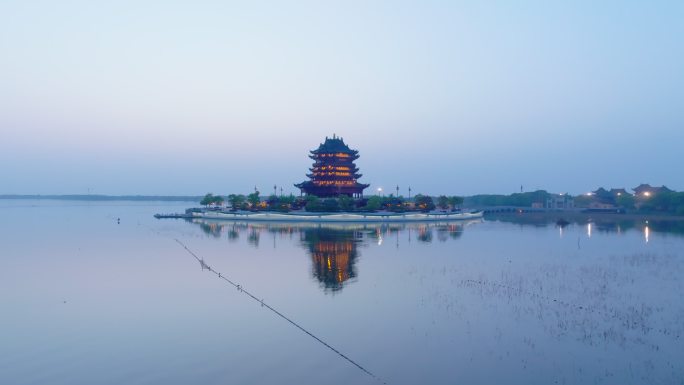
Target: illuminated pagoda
{"type": "Point", "coordinates": [334, 172]}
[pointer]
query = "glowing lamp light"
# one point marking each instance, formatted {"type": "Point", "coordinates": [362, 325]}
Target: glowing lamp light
{"type": "Point", "coordinates": [647, 194]}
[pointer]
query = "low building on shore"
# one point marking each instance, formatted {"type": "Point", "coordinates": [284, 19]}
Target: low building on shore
{"type": "Point", "coordinates": [560, 202]}
{"type": "Point", "coordinates": [646, 190]}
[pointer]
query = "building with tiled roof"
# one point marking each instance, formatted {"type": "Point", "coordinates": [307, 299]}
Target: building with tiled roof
{"type": "Point", "coordinates": [334, 172]}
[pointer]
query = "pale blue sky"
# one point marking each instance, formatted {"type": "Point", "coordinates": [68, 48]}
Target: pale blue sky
{"type": "Point", "coordinates": [135, 97]}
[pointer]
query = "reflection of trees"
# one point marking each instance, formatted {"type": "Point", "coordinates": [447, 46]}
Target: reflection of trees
{"type": "Point", "coordinates": [425, 234]}
{"type": "Point", "coordinates": [672, 227]}
{"type": "Point", "coordinates": [367, 232]}
{"type": "Point", "coordinates": [233, 233]}
{"type": "Point", "coordinates": [333, 253]}
{"type": "Point", "coordinates": [451, 230]}
{"type": "Point", "coordinates": [613, 226]}
{"type": "Point", "coordinates": [253, 237]}
{"type": "Point", "coordinates": [333, 248]}
{"type": "Point", "coordinates": [609, 224]}
{"type": "Point", "coordinates": [232, 229]}
{"type": "Point", "coordinates": [211, 229]}
{"type": "Point", "coordinates": [442, 234]}
{"type": "Point", "coordinates": [455, 230]}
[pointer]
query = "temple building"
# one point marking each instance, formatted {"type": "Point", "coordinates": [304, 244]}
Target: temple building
{"type": "Point", "coordinates": [647, 190]}
{"type": "Point", "coordinates": [334, 172]}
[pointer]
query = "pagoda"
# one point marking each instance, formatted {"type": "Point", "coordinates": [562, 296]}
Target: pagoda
{"type": "Point", "coordinates": [333, 173]}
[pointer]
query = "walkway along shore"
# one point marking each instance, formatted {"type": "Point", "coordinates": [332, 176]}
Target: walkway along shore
{"type": "Point", "coordinates": [327, 217]}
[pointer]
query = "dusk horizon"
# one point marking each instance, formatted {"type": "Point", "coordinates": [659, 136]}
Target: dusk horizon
{"type": "Point", "coordinates": [456, 187]}
{"type": "Point", "coordinates": [146, 98]}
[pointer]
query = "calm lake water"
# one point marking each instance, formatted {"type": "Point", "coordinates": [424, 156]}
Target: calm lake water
{"type": "Point", "coordinates": [87, 300]}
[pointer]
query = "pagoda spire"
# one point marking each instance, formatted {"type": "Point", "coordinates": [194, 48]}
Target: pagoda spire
{"type": "Point", "coordinates": [333, 172]}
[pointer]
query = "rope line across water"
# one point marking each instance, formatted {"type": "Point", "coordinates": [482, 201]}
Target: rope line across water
{"type": "Point", "coordinates": [281, 315]}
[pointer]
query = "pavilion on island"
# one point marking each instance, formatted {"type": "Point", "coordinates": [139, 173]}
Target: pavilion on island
{"type": "Point", "coordinates": [333, 173]}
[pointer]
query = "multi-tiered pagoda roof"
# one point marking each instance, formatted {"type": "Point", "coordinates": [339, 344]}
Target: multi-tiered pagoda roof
{"type": "Point", "coordinates": [333, 172]}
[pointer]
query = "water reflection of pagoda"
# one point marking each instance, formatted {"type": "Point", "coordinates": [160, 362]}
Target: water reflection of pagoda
{"type": "Point", "coordinates": [334, 172]}
{"type": "Point", "coordinates": [333, 253]}
{"type": "Point", "coordinates": [333, 248]}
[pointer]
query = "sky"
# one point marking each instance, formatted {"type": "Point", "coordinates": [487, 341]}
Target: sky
{"type": "Point", "coordinates": [447, 97]}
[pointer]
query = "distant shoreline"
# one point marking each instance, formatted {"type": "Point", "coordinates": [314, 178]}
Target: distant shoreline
{"type": "Point", "coordinates": [578, 216]}
{"type": "Point", "coordinates": [103, 198]}
{"type": "Point", "coordinates": [568, 215]}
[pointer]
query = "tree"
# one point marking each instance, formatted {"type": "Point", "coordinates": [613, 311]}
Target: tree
{"type": "Point", "coordinates": [604, 196]}
{"type": "Point", "coordinates": [218, 200]}
{"type": "Point", "coordinates": [394, 204]}
{"type": "Point", "coordinates": [207, 200]}
{"type": "Point", "coordinates": [424, 202]}
{"type": "Point", "coordinates": [678, 203]}
{"type": "Point", "coordinates": [443, 202]}
{"type": "Point", "coordinates": [346, 203]}
{"type": "Point", "coordinates": [331, 205]}
{"type": "Point", "coordinates": [282, 203]}
{"type": "Point", "coordinates": [584, 200]}
{"type": "Point", "coordinates": [286, 202]}
{"type": "Point", "coordinates": [288, 199]}
{"type": "Point", "coordinates": [666, 201]}
{"type": "Point", "coordinates": [455, 201]}
{"type": "Point", "coordinates": [273, 202]}
{"type": "Point", "coordinates": [374, 203]}
{"type": "Point", "coordinates": [298, 203]}
{"type": "Point", "coordinates": [313, 203]}
{"type": "Point", "coordinates": [253, 199]}
{"type": "Point", "coordinates": [625, 200]}
{"type": "Point", "coordinates": [236, 201]}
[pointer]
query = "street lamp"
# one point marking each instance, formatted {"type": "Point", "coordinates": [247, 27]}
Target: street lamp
{"type": "Point", "coordinates": [379, 190]}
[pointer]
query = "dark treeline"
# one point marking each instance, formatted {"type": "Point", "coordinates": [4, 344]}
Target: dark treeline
{"type": "Point", "coordinates": [285, 203]}
{"type": "Point", "coordinates": [670, 202]}
{"type": "Point", "coordinates": [654, 200]}
{"type": "Point", "coordinates": [526, 199]}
